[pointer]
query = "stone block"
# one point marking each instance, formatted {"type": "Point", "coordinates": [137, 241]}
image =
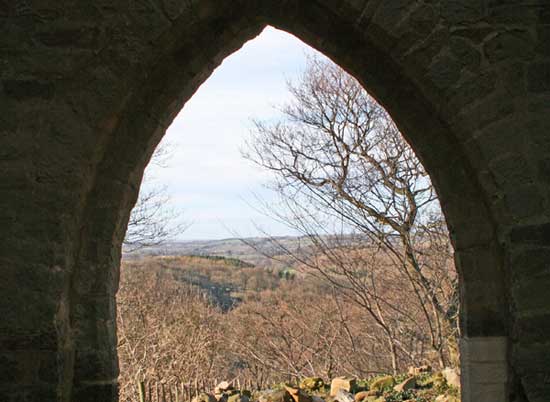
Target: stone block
{"type": "Point", "coordinates": [543, 34]}
{"type": "Point", "coordinates": [423, 19]}
{"type": "Point", "coordinates": [484, 365]}
{"type": "Point", "coordinates": [10, 372]}
{"type": "Point", "coordinates": [487, 393]}
{"type": "Point", "coordinates": [103, 392]}
{"type": "Point", "coordinates": [489, 373]}
{"type": "Point", "coordinates": [512, 44]}
{"type": "Point", "coordinates": [462, 11]}
{"type": "Point", "coordinates": [511, 171]}
{"type": "Point", "coordinates": [529, 263]}
{"type": "Point", "coordinates": [445, 71]}
{"type": "Point", "coordinates": [525, 202]}
{"type": "Point", "coordinates": [472, 91]}
{"type": "Point", "coordinates": [538, 77]}
{"type": "Point", "coordinates": [484, 349]}
{"type": "Point", "coordinates": [531, 295]}
{"type": "Point", "coordinates": [28, 89]}
{"type": "Point", "coordinates": [532, 328]}
{"type": "Point", "coordinates": [535, 235]}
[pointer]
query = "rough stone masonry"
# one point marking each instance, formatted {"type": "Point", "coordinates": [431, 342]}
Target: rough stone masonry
{"type": "Point", "coordinates": [88, 88]}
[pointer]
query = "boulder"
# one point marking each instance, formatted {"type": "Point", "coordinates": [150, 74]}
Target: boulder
{"type": "Point", "coordinates": [298, 395]}
{"type": "Point", "coordinates": [312, 383]}
{"type": "Point", "coordinates": [375, 399]}
{"type": "Point", "coordinates": [451, 376]}
{"type": "Point", "coordinates": [446, 398]}
{"type": "Point", "coordinates": [220, 397]}
{"type": "Point", "coordinates": [361, 396]}
{"type": "Point", "coordinates": [345, 383]}
{"type": "Point", "coordinates": [437, 380]}
{"type": "Point", "coordinates": [420, 370]}
{"type": "Point", "coordinates": [275, 396]}
{"type": "Point", "coordinates": [382, 383]}
{"type": "Point", "coordinates": [238, 398]}
{"type": "Point", "coordinates": [224, 386]}
{"type": "Point", "coordinates": [222, 390]}
{"type": "Point", "coordinates": [344, 396]}
{"type": "Point", "coordinates": [409, 383]}
{"type": "Point", "coordinates": [204, 397]}
{"type": "Point", "coordinates": [316, 398]}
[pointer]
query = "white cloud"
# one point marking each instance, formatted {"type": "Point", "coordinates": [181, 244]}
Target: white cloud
{"type": "Point", "coordinates": [207, 176]}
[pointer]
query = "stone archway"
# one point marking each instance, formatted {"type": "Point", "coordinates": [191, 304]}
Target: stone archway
{"type": "Point", "coordinates": [89, 89]}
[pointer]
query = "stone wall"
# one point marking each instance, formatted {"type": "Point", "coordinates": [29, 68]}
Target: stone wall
{"type": "Point", "coordinates": [87, 89]}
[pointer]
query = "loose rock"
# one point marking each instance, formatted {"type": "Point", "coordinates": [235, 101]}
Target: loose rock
{"type": "Point", "coordinates": [420, 370]}
{"type": "Point", "coordinates": [238, 398]}
{"type": "Point", "coordinates": [451, 376]}
{"type": "Point", "coordinates": [375, 399]}
{"type": "Point", "coordinates": [446, 398]}
{"type": "Point", "coordinates": [383, 382]}
{"type": "Point", "coordinates": [312, 383]}
{"type": "Point", "coordinates": [298, 395]}
{"type": "Point", "coordinates": [275, 396]}
{"type": "Point", "coordinates": [361, 396]}
{"type": "Point", "coordinates": [222, 391]}
{"type": "Point", "coordinates": [204, 397]}
{"type": "Point", "coordinates": [409, 383]}
{"type": "Point", "coordinates": [224, 386]}
{"type": "Point", "coordinates": [345, 383]}
{"type": "Point", "coordinates": [344, 396]}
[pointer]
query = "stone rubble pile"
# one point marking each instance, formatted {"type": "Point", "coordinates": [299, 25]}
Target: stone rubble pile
{"type": "Point", "coordinates": [420, 382]}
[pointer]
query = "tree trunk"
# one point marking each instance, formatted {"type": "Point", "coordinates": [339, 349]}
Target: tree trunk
{"type": "Point", "coordinates": [393, 354]}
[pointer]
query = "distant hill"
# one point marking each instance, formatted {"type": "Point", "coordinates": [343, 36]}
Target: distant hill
{"type": "Point", "coordinates": [226, 281]}
{"type": "Point", "coordinates": [254, 250]}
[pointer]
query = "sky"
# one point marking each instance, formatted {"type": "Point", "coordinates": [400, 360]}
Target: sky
{"type": "Point", "coordinates": [208, 182]}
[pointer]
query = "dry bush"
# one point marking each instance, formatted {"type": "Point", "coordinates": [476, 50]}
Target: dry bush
{"type": "Point", "coordinates": [167, 330]}
{"type": "Point", "coordinates": [170, 331]}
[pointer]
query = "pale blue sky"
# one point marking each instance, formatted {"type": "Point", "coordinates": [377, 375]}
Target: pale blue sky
{"type": "Point", "coordinates": [206, 177]}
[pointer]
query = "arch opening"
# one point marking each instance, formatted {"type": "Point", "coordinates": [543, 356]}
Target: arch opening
{"type": "Point", "coordinates": [344, 238]}
{"type": "Point", "coordinates": [485, 317]}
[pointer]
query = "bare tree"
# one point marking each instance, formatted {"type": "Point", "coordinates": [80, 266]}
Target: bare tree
{"type": "Point", "coordinates": [171, 329]}
{"type": "Point", "coordinates": [343, 167]}
{"type": "Point", "coordinates": [152, 222]}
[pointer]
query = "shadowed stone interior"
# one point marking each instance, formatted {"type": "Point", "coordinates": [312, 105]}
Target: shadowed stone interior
{"type": "Point", "coordinates": [88, 88]}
